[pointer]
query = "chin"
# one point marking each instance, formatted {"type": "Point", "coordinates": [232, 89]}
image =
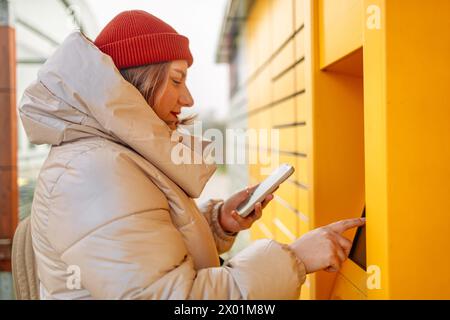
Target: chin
{"type": "Point", "coordinates": [173, 126]}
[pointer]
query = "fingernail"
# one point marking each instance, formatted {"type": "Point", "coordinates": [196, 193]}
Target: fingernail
{"type": "Point", "coordinates": [363, 219]}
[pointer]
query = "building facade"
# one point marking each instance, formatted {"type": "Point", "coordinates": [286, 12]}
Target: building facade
{"type": "Point", "coordinates": [40, 27]}
{"type": "Point", "coordinates": [37, 28]}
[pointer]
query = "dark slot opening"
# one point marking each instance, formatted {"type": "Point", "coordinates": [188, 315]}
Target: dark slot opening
{"type": "Point", "coordinates": [358, 251]}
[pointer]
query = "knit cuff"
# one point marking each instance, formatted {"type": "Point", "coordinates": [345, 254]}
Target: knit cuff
{"type": "Point", "coordinates": [298, 264]}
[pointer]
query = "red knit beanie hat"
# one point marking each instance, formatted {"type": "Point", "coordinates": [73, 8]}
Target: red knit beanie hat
{"type": "Point", "coordinates": [135, 38]}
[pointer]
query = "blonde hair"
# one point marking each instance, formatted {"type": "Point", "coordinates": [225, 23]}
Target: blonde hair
{"type": "Point", "coordinates": [148, 79]}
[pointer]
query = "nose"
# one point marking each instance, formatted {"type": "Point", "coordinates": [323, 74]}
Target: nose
{"type": "Point", "coordinates": [186, 99]}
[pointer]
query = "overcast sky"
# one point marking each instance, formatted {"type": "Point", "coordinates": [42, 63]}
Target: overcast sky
{"type": "Point", "coordinates": [200, 21]}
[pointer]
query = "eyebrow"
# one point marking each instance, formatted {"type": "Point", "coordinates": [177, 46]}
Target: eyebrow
{"type": "Point", "coordinates": [181, 71]}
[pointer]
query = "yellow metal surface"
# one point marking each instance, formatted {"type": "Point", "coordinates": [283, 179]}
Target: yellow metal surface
{"type": "Point", "coordinates": [299, 8]}
{"type": "Point", "coordinates": [407, 150]}
{"type": "Point", "coordinates": [276, 52]}
{"type": "Point", "coordinates": [301, 170]}
{"type": "Point", "coordinates": [336, 102]}
{"type": "Point", "coordinates": [301, 107]}
{"type": "Point", "coordinates": [300, 77]}
{"type": "Point", "coordinates": [284, 58]}
{"type": "Point", "coordinates": [375, 151]}
{"type": "Point", "coordinates": [284, 113]}
{"type": "Point", "coordinates": [359, 92]}
{"type": "Point", "coordinates": [344, 286]}
{"type": "Point", "coordinates": [285, 222]}
{"type": "Point", "coordinates": [340, 29]}
{"type": "Point", "coordinates": [350, 283]}
{"type": "Point", "coordinates": [282, 20]}
{"type": "Point", "coordinates": [284, 86]}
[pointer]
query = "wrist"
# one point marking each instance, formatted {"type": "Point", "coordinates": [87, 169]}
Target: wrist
{"type": "Point", "coordinates": [220, 219]}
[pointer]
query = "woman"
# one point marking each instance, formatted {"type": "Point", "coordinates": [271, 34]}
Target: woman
{"type": "Point", "coordinates": [113, 216]}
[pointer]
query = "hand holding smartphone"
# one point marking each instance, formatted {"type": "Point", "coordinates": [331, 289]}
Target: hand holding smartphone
{"type": "Point", "coordinates": [266, 187]}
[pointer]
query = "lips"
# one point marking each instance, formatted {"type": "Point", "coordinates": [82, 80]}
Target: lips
{"type": "Point", "coordinates": [175, 113]}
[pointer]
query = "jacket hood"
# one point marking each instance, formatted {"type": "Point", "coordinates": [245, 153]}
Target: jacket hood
{"type": "Point", "coordinates": [79, 93]}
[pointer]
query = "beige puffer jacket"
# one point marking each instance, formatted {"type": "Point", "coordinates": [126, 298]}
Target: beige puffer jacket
{"type": "Point", "coordinates": [112, 210]}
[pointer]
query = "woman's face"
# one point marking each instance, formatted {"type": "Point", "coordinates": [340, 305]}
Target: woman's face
{"type": "Point", "coordinates": [173, 94]}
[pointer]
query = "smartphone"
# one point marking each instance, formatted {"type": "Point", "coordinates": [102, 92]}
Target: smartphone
{"type": "Point", "coordinates": [266, 187]}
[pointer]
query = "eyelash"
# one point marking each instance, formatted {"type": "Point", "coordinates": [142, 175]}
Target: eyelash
{"type": "Point", "coordinates": [176, 82]}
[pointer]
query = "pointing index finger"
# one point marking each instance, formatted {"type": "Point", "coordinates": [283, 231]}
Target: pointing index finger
{"type": "Point", "coordinates": [346, 224]}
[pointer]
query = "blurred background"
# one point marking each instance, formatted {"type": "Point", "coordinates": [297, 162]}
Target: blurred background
{"type": "Point", "coordinates": [40, 26]}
